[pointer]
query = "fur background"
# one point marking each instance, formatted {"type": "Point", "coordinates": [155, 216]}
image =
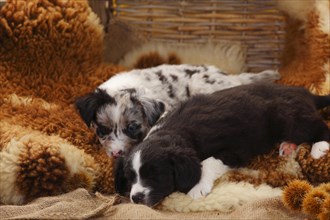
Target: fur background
{"type": "Point", "coordinates": [49, 59]}
{"type": "Point", "coordinates": [45, 64]}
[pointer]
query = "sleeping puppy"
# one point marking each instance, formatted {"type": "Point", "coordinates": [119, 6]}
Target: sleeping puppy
{"type": "Point", "coordinates": [122, 110]}
{"type": "Point", "coordinates": [209, 134]}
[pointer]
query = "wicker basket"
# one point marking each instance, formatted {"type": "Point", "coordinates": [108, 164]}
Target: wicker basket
{"type": "Point", "coordinates": [255, 23]}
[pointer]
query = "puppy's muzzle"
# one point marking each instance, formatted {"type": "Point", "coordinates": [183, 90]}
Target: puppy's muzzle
{"type": "Point", "coordinates": [117, 154]}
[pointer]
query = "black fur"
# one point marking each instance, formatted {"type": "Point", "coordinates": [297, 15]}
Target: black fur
{"type": "Point", "coordinates": [89, 104]}
{"type": "Point", "coordinates": [187, 91]}
{"type": "Point", "coordinates": [322, 101]}
{"type": "Point", "coordinates": [166, 169]}
{"type": "Point", "coordinates": [190, 73]}
{"type": "Point", "coordinates": [174, 78]}
{"type": "Point", "coordinates": [121, 184]}
{"type": "Point", "coordinates": [232, 125]}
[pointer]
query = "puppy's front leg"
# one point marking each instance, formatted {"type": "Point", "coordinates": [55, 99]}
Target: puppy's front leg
{"type": "Point", "coordinates": [212, 169]}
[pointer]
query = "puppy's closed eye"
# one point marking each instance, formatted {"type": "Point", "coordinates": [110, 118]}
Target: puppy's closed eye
{"type": "Point", "coordinates": [133, 127]}
{"type": "Point", "coordinates": [130, 175]}
{"type": "Point", "coordinates": [152, 172]}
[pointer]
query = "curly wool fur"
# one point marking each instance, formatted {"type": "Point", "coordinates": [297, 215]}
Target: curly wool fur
{"type": "Point", "coordinates": [62, 120]}
{"type": "Point", "coordinates": [35, 32]}
{"type": "Point", "coordinates": [313, 201]}
{"type": "Point", "coordinates": [154, 59]}
{"type": "Point", "coordinates": [34, 164]}
{"type": "Point", "coordinates": [45, 145]}
{"type": "Point", "coordinates": [316, 171]}
{"type": "Point", "coordinates": [227, 56]}
{"type": "Point", "coordinates": [294, 194]}
{"type": "Point", "coordinates": [50, 120]}
{"type": "Point", "coordinates": [309, 40]}
{"type": "Point", "coordinates": [225, 197]}
{"type": "Point", "coordinates": [302, 196]}
{"type": "Point", "coordinates": [296, 8]}
{"type": "Point", "coordinates": [325, 210]}
{"type": "Point", "coordinates": [271, 169]}
{"type": "Point", "coordinates": [60, 30]}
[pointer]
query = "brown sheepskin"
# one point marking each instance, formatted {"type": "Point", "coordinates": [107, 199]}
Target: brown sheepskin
{"type": "Point", "coordinates": [45, 65]}
{"type": "Point", "coordinates": [306, 52]}
{"type": "Point", "coordinates": [154, 59]}
{"type": "Point", "coordinates": [316, 171]}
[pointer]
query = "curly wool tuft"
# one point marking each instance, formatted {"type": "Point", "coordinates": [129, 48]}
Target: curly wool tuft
{"type": "Point", "coordinates": [65, 31]}
{"type": "Point", "coordinates": [293, 194]}
{"type": "Point", "coordinates": [42, 171]}
{"type": "Point", "coordinates": [153, 59]}
{"type": "Point", "coordinates": [316, 170]}
{"type": "Point", "coordinates": [269, 168]}
{"type": "Point", "coordinates": [325, 210]}
{"type": "Point", "coordinates": [313, 202]}
{"type": "Point", "coordinates": [34, 164]}
{"type": "Point", "coordinates": [306, 53]}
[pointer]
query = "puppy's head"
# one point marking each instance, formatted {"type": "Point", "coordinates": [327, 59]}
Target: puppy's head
{"type": "Point", "coordinates": [120, 120]}
{"type": "Point", "coordinates": [149, 174]}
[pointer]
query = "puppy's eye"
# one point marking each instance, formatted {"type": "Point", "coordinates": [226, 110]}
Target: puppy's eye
{"type": "Point", "coordinates": [101, 131]}
{"type": "Point", "coordinates": [133, 127]}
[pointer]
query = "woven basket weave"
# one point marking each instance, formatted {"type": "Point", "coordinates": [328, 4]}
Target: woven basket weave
{"type": "Point", "coordinates": [255, 23]}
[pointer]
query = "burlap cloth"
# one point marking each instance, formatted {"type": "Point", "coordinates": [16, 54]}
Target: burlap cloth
{"type": "Point", "coordinates": [79, 204]}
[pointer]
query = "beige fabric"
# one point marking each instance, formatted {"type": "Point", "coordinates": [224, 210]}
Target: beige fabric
{"type": "Point", "coordinates": [79, 204]}
{"type": "Point", "coordinates": [262, 209]}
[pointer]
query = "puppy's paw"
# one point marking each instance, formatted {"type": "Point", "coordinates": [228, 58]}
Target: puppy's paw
{"type": "Point", "coordinates": [200, 190]}
{"type": "Point", "coordinates": [319, 149]}
{"type": "Point", "coordinates": [269, 75]}
{"type": "Point", "coordinates": [211, 170]}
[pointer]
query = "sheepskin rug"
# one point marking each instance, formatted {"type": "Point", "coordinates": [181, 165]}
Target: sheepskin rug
{"type": "Point", "coordinates": [227, 56]}
{"type": "Point", "coordinates": [51, 52]}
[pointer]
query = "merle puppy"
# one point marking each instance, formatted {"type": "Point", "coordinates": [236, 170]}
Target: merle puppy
{"type": "Point", "coordinates": [122, 110]}
{"type": "Point", "coordinates": [209, 134]}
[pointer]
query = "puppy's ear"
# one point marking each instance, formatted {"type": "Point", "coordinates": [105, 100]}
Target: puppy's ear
{"type": "Point", "coordinates": [186, 166]}
{"type": "Point", "coordinates": [152, 108]}
{"type": "Point", "coordinates": [90, 103]}
{"type": "Point", "coordinates": [121, 183]}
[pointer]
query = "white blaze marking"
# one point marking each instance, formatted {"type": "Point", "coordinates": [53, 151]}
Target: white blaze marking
{"type": "Point", "coordinates": [137, 187]}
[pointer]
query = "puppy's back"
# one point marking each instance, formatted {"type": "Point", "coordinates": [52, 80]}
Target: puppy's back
{"type": "Point", "coordinates": [244, 121]}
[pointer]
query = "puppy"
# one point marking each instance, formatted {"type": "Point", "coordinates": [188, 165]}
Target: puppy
{"type": "Point", "coordinates": [224, 130]}
{"type": "Point", "coordinates": [122, 110]}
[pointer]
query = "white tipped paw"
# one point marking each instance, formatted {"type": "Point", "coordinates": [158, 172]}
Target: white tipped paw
{"type": "Point", "coordinates": [211, 170]}
{"type": "Point", "coordinates": [200, 190]}
{"type": "Point", "coordinates": [319, 149]}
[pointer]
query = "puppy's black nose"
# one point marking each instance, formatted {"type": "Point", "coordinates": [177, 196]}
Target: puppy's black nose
{"type": "Point", "coordinates": [138, 198]}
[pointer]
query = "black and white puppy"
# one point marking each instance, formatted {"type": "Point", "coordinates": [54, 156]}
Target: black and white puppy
{"type": "Point", "coordinates": [209, 134]}
{"type": "Point", "coordinates": [123, 109]}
